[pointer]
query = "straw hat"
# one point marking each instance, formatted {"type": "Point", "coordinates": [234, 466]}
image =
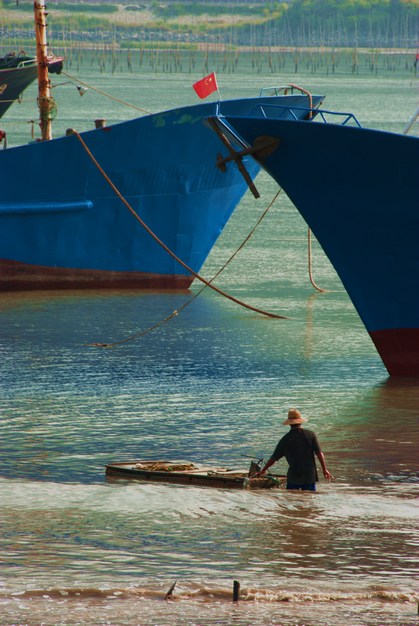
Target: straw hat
{"type": "Point", "coordinates": [294, 417]}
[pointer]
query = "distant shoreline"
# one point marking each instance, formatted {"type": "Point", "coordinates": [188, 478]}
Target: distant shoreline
{"type": "Point", "coordinates": [219, 47]}
{"type": "Point", "coordinates": [371, 25]}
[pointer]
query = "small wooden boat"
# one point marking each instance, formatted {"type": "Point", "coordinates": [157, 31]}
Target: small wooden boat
{"type": "Point", "coordinates": [181, 473]}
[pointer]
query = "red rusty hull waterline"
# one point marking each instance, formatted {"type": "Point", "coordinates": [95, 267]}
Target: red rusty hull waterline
{"type": "Point", "coordinates": [16, 276]}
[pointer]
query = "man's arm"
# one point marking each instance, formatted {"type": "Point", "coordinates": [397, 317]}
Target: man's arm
{"type": "Point", "coordinates": [277, 454]}
{"type": "Point", "coordinates": [326, 473]}
{"type": "Point", "coordinates": [266, 467]}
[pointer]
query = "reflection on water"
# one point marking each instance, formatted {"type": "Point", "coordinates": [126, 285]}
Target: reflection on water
{"type": "Point", "coordinates": [380, 430]}
{"type": "Point", "coordinates": [214, 384]}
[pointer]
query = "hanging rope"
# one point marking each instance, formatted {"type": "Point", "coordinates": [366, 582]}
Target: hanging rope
{"type": "Point", "coordinates": [161, 243]}
{"type": "Point", "coordinates": [310, 272]}
{"type": "Point", "coordinates": [103, 93]}
{"type": "Point", "coordinates": [195, 296]}
{"type": "Point", "coordinates": [310, 98]}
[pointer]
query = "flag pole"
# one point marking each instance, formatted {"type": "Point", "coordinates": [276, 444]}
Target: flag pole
{"type": "Point", "coordinates": [218, 89]}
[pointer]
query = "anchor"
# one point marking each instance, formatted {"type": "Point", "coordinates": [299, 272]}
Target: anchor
{"type": "Point", "coordinates": [262, 147]}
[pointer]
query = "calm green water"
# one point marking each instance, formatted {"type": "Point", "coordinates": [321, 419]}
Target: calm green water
{"type": "Point", "coordinates": [211, 385]}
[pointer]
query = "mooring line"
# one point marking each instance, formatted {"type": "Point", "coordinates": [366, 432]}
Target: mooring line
{"type": "Point", "coordinates": [162, 244]}
{"type": "Point", "coordinates": [176, 312]}
{"type": "Point", "coordinates": [310, 268]}
{"type": "Point", "coordinates": [103, 93]}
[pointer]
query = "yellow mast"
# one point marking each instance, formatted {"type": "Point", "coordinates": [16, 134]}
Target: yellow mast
{"type": "Point", "coordinates": [45, 100]}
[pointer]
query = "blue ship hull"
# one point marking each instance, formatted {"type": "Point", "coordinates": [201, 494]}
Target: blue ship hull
{"type": "Point", "coordinates": [359, 193]}
{"type": "Point", "coordinates": [63, 226]}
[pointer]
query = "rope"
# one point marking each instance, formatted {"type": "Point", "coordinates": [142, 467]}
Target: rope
{"type": "Point", "coordinates": [310, 273]}
{"type": "Point", "coordinates": [310, 98]}
{"type": "Point", "coordinates": [47, 108]}
{"type": "Point", "coordinates": [163, 245]}
{"type": "Point", "coordinates": [103, 93]}
{"type": "Point", "coordinates": [177, 311]}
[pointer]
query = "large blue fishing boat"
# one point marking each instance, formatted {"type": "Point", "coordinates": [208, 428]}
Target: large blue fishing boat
{"type": "Point", "coordinates": [362, 203]}
{"type": "Point", "coordinates": [136, 204]}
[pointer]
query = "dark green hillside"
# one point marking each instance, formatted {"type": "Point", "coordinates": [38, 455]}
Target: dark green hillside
{"type": "Point", "coordinates": [333, 23]}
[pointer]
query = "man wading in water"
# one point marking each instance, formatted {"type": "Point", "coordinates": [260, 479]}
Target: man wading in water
{"type": "Point", "coordinates": [299, 446]}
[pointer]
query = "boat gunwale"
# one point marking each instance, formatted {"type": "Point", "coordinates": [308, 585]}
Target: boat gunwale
{"type": "Point", "coordinates": [200, 476]}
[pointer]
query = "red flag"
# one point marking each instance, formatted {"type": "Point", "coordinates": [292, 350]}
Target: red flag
{"type": "Point", "coordinates": [206, 85]}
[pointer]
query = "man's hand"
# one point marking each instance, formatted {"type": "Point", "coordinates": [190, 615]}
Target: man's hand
{"type": "Point", "coordinates": [258, 474]}
{"type": "Point", "coordinates": [328, 476]}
